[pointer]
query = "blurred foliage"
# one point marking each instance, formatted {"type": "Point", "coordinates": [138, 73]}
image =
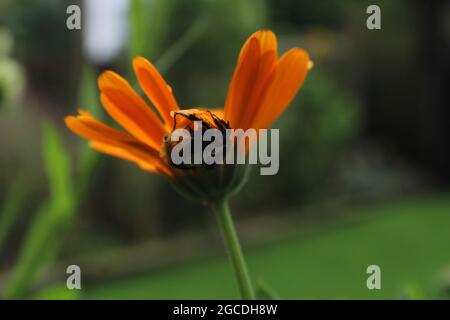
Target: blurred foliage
{"type": "Point", "coordinates": [25, 18]}
{"type": "Point", "coordinates": [87, 100]}
{"type": "Point", "coordinates": [412, 292]}
{"type": "Point", "coordinates": [150, 21]}
{"type": "Point", "coordinates": [242, 17]}
{"type": "Point", "coordinates": [443, 283]}
{"type": "Point", "coordinates": [57, 292]}
{"type": "Point", "coordinates": [192, 34]}
{"type": "Point", "coordinates": [46, 49]}
{"type": "Point", "coordinates": [11, 81]}
{"type": "Point", "coordinates": [265, 292]}
{"type": "Point", "coordinates": [11, 73]}
{"type": "Point", "coordinates": [328, 120]}
{"type": "Point", "coordinates": [294, 14]}
{"type": "Point", "coordinates": [6, 42]}
{"type": "Point", "coordinates": [50, 223]}
{"type": "Point", "coordinates": [10, 210]}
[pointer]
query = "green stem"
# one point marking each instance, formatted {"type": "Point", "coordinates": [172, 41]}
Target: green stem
{"type": "Point", "coordinates": [237, 260]}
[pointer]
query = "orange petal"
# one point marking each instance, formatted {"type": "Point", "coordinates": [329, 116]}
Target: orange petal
{"type": "Point", "coordinates": [242, 82]}
{"type": "Point", "coordinates": [156, 88]}
{"type": "Point", "coordinates": [146, 161]}
{"type": "Point", "coordinates": [126, 107]}
{"type": "Point", "coordinates": [116, 143]}
{"type": "Point", "coordinates": [251, 79]}
{"type": "Point", "coordinates": [86, 126]}
{"type": "Point", "coordinates": [265, 76]}
{"type": "Point", "coordinates": [290, 74]}
{"type": "Point", "coordinates": [267, 41]}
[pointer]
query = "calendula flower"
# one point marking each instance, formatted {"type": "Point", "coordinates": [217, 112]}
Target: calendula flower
{"type": "Point", "coordinates": [262, 86]}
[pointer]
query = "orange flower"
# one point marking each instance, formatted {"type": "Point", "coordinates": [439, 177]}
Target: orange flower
{"type": "Point", "coordinates": [261, 88]}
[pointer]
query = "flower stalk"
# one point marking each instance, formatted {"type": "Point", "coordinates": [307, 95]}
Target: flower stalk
{"type": "Point", "coordinates": [222, 211]}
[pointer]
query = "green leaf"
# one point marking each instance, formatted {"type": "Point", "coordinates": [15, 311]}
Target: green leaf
{"type": "Point", "coordinates": [10, 208]}
{"type": "Point", "coordinates": [57, 165]}
{"type": "Point", "coordinates": [88, 96]}
{"type": "Point", "coordinates": [43, 238]}
{"type": "Point", "coordinates": [137, 29]}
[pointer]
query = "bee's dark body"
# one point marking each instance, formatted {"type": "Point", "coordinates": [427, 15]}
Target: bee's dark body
{"type": "Point", "coordinates": [220, 124]}
{"type": "Point", "coordinates": [216, 123]}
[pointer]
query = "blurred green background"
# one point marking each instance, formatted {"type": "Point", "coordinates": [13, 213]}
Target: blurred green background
{"type": "Point", "coordinates": [364, 153]}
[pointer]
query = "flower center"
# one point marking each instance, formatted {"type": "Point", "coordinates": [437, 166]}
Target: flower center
{"type": "Point", "coordinates": [185, 145]}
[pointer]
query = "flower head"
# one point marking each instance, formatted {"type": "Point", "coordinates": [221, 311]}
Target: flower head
{"type": "Point", "coordinates": [261, 88]}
